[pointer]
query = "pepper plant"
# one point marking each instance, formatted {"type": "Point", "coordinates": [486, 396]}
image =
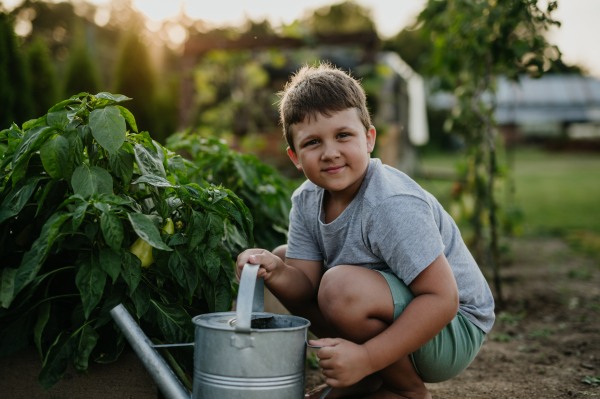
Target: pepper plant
{"type": "Point", "coordinates": [94, 214]}
{"type": "Point", "coordinates": [264, 189]}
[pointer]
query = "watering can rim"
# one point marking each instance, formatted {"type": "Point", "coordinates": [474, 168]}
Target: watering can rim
{"type": "Point", "coordinates": [203, 321]}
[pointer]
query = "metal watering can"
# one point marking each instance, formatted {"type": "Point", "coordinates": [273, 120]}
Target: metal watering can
{"type": "Point", "coordinates": [247, 354]}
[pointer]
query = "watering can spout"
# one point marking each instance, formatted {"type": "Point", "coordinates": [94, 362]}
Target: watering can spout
{"type": "Point", "coordinates": [166, 380]}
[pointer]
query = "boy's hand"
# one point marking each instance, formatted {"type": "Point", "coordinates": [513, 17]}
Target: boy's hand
{"type": "Point", "coordinates": [343, 362]}
{"type": "Point", "coordinates": [268, 262]}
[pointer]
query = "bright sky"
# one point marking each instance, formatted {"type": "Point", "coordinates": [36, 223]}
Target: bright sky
{"type": "Point", "coordinates": [577, 38]}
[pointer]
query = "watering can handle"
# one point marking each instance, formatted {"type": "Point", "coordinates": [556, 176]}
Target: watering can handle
{"type": "Point", "coordinates": [250, 298]}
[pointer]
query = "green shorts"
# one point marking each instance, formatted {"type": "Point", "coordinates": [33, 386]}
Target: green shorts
{"type": "Point", "coordinates": [448, 353]}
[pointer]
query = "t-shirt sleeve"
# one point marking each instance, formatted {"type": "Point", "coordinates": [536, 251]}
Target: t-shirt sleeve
{"type": "Point", "coordinates": [301, 243]}
{"type": "Point", "coordinates": [402, 232]}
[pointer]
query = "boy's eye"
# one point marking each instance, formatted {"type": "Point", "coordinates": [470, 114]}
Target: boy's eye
{"type": "Point", "coordinates": [311, 142]}
{"type": "Point", "coordinates": [342, 135]}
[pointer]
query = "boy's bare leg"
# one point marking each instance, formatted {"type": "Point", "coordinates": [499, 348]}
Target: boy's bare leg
{"type": "Point", "coordinates": [367, 294]}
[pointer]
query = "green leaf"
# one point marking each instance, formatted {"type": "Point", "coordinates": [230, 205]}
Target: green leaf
{"type": "Point", "coordinates": [55, 363]}
{"type": "Point", "coordinates": [54, 229]}
{"type": "Point", "coordinates": [101, 206]}
{"type": "Point", "coordinates": [212, 265]}
{"type": "Point", "coordinates": [141, 299]}
{"type": "Point", "coordinates": [75, 153]}
{"type": "Point", "coordinates": [62, 104]}
{"type": "Point", "coordinates": [177, 239]}
{"type": "Point", "coordinates": [217, 230]}
{"type": "Point", "coordinates": [32, 141]}
{"type": "Point", "coordinates": [89, 180]}
{"type": "Point", "coordinates": [160, 205]}
{"type": "Point", "coordinates": [7, 287]}
{"type": "Point", "coordinates": [177, 166]}
{"type": "Point", "coordinates": [108, 128]}
{"type": "Point", "coordinates": [110, 261]}
{"type": "Point", "coordinates": [79, 214]}
{"type": "Point", "coordinates": [155, 181]}
{"type": "Point", "coordinates": [196, 230]}
{"type": "Point", "coordinates": [55, 154]}
{"type": "Point", "coordinates": [184, 271]}
{"type": "Point", "coordinates": [18, 197]}
{"type": "Point", "coordinates": [47, 189]}
{"type": "Point", "coordinates": [35, 257]}
{"type": "Point", "coordinates": [112, 229]}
{"type": "Point", "coordinates": [173, 321]}
{"type": "Point", "coordinates": [147, 231]}
{"type": "Point", "coordinates": [148, 161]}
{"type": "Point", "coordinates": [84, 346]}
{"type": "Point", "coordinates": [40, 324]}
{"type": "Point", "coordinates": [132, 269]}
{"type": "Point", "coordinates": [74, 123]}
{"type": "Point", "coordinates": [128, 117]}
{"type": "Point", "coordinates": [223, 297]}
{"type": "Point", "coordinates": [58, 119]}
{"type": "Point", "coordinates": [208, 288]}
{"type": "Point", "coordinates": [122, 165]}
{"type": "Point", "coordinates": [117, 200]}
{"type": "Point", "coordinates": [90, 281]}
{"type": "Point", "coordinates": [41, 121]}
{"type": "Point", "coordinates": [91, 230]}
{"type": "Point", "coordinates": [116, 297]}
{"type": "Point", "coordinates": [114, 97]}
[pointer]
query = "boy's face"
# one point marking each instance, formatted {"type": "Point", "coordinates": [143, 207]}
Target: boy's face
{"type": "Point", "coordinates": [333, 152]}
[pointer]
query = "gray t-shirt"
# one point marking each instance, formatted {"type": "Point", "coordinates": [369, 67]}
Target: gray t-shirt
{"type": "Point", "coordinates": [391, 225]}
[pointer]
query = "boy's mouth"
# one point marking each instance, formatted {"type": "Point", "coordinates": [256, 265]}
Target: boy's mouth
{"type": "Point", "coordinates": [334, 169]}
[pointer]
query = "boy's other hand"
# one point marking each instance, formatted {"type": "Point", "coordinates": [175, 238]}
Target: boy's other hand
{"type": "Point", "coordinates": [267, 261]}
{"type": "Point", "coordinates": [344, 363]}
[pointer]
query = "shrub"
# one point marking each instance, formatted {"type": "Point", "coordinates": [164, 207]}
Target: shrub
{"type": "Point", "coordinates": [93, 215]}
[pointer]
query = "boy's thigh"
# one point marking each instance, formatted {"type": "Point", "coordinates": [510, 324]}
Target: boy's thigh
{"type": "Point", "coordinates": [449, 352]}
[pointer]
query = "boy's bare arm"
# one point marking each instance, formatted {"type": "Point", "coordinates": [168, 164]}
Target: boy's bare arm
{"type": "Point", "coordinates": [434, 306]}
{"type": "Point", "coordinates": [294, 281]}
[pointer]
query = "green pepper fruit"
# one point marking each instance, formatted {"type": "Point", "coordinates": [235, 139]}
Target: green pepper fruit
{"type": "Point", "coordinates": [168, 227]}
{"type": "Point", "coordinates": [143, 251]}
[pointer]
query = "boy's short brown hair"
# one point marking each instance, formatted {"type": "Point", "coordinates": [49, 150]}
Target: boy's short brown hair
{"type": "Point", "coordinates": [320, 90]}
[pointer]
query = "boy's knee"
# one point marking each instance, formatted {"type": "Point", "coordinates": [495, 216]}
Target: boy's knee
{"type": "Point", "coordinates": [337, 292]}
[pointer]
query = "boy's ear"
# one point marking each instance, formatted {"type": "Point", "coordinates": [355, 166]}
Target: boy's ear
{"type": "Point", "coordinates": [294, 158]}
{"type": "Point", "coordinates": [371, 135]}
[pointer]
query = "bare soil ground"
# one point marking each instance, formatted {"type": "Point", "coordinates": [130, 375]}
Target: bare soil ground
{"type": "Point", "coordinates": [546, 339]}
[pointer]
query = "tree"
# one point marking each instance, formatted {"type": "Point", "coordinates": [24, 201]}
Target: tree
{"type": "Point", "coordinates": [346, 17]}
{"type": "Point", "coordinates": [474, 42]}
{"type": "Point", "coordinates": [14, 83]}
{"type": "Point", "coordinates": [135, 78]}
{"type": "Point", "coordinates": [82, 73]}
{"type": "Point", "coordinates": [411, 46]}
{"type": "Point", "coordinates": [43, 77]}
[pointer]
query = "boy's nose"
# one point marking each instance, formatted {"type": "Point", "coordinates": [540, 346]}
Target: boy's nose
{"type": "Point", "coordinates": [331, 152]}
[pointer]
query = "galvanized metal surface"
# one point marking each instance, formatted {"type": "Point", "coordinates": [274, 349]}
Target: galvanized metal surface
{"type": "Point", "coordinates": [246, 298]}
{"type": "Point", "coordinates": [161, 373]}
{"type": "Point", "coordinates": [247, 354]}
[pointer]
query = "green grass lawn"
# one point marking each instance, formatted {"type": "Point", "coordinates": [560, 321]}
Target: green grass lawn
{"type": "Point", "coordinates": [556, 191]}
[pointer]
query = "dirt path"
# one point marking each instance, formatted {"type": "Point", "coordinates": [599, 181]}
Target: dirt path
{"type": "Point", "coordinates": [546, 340]}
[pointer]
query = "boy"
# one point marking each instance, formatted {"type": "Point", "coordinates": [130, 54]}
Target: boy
{"type": "Point", "coordinates": [402, 301]}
